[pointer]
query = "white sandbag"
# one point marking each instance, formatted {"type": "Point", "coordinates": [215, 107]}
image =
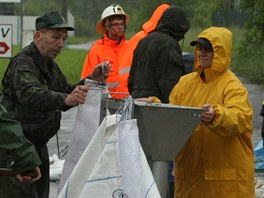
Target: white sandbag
{"type": "Point", "coordinates": [56, 166]}
{"type": "Point", "coordinates": [86, 123]}
{"type": "Point", "coordinates": [87, 162]}
{"type": "Point", "coordinates": [112, 165]}
{"type": "Point", "coordinates": [137, 178]}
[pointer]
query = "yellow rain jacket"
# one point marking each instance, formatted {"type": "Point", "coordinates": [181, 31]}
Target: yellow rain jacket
{"type": "Point", "coordinates": [217, 161]}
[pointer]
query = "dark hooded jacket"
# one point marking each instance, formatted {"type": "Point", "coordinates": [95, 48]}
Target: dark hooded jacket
{"type": "Point", "coordinates": [157, 64]}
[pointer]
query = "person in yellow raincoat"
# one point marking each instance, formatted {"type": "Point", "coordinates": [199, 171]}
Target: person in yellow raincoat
{"type": "Point", "coordinates": [217, 161]}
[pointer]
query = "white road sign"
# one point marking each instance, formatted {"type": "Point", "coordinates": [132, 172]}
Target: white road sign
{"type": "Point", "coordinates": [5, 41]}
{"type": "Point", "coordinates": [10, 1]}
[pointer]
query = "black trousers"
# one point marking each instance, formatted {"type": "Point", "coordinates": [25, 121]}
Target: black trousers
{"type": "Point", "coordinates": [43, 184]}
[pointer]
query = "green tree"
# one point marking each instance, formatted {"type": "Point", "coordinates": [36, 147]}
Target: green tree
{"type": "Point", "coordinates": [88, 12]}
{"type": "Point", "coordinates": [36, 8]}
{"type": "Point", "coordinates": [254, 34]}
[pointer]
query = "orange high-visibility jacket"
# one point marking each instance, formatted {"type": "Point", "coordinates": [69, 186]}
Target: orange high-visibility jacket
{"type": "Point", "coordinates": [126, 60]}
{"type": "Point", "coordinates": [105, 49]}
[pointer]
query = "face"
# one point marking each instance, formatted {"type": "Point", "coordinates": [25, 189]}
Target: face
{"type": "Point", "coordinates": [116, 29]}
{"type": "Point", "coordinates": [50, 42]}
{"type": "Point", "coordinates": [206, 57]}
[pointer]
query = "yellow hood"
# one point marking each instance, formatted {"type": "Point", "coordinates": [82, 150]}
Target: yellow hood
{"type": "Point", "coordinates": [221, 40]}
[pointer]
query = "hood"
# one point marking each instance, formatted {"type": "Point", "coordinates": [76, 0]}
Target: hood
{"type": "Point", "coordinates": [221, 40]}
{"type": "Point", "coordinates": [174, 22]}
{"type": "Point", "coordinates": [151, 24]}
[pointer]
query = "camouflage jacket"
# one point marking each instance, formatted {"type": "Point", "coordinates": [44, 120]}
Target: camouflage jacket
{"type": "Point", "coordinates": [34, 93]}
{"type": "Point", "coordinates": [17, 153]}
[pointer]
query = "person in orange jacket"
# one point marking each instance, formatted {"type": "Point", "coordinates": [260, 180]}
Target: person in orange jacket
{"type": "Point", "coordinates": [126, 61]}
{"type": "Point", "coordinates": [110, 47]}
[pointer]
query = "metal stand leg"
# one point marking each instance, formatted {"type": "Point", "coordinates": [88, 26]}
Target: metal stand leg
{"type": "Point", "coordinates": [160, 173]}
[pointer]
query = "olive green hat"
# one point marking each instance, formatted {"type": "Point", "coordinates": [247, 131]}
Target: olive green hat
{"type": "Point", "coordinates": [52, 20]}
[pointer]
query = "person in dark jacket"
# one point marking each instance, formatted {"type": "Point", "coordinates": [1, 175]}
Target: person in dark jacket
{"type": "Point", "coordinates": [35, 91]}
{"type": "Point", "coordinates": [157, 63]}
{"type": "Point", "coordinates": [18, 155]}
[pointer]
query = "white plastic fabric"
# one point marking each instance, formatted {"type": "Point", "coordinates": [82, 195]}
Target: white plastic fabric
{"type": "Point", "coordinates": [56, 166]}
{"type": "Point", "coordinates": [112, 165]}
{"type": "Point", "coordinates": [86, 123]}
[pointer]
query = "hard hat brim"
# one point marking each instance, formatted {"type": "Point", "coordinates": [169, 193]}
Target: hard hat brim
{"type": "Point", "coordinates": [100, 29]}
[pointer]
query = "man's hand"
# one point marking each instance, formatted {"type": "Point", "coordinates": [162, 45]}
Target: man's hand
{"type": "Point", "coordinates": [101, 71]}
{"type": "Point", "coordinates": [77, 96]}
{"type": "Point", "coordinates": [30, 176]}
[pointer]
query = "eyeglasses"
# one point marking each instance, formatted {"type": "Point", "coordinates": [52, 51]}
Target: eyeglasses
{"type": "Point", "coordinates": [117, 24]}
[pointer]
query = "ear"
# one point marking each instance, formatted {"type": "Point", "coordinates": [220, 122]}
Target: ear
{"type": "Point", "coordinates": [37, 35]}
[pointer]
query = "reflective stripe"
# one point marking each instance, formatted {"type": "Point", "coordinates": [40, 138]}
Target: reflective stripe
{"type": "Point", "coordinates": [113, 84]}
{"type": "Point", "coordinates": [124, 71]}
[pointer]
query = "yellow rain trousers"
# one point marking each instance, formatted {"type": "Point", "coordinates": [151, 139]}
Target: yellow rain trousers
{"type": "Point", "coordinates": [217, 161]}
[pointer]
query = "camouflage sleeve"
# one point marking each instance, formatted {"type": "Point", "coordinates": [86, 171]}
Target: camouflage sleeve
{"type": "Point", "coordinates": [21, 152]}
{"type": "Point", "coordinates": [41, 93]}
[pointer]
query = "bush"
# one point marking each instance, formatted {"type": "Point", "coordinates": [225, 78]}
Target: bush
{"type": "Point", "coordinates": [250, 66]}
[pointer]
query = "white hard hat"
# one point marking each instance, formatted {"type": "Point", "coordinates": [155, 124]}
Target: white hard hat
{"type": "Point", "coordinates": [110, 11]}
